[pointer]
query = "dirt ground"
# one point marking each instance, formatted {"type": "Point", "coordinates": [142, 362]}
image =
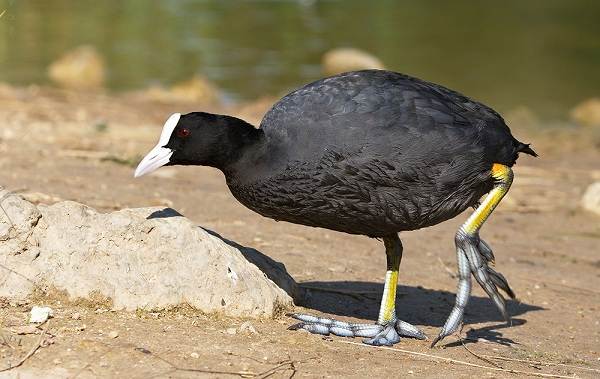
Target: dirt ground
{"type": "Point", "coordinates": [63, 145]}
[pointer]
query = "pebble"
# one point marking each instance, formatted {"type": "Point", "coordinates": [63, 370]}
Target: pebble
{"type": "Point", "coordinates": [113, 334]}
{"type": "Point", "coordinates": [195, 355]}
{"type": "Point", "coordinates": [40, 314]}
{"type": "Point", "coordinates": [26, 329]}
{"type": "Point", "coordinates": [247, 326]}
{"type": "Point", "coordinates": [76, 316]}
{"type": "Point", "coordinates": [231, 331]}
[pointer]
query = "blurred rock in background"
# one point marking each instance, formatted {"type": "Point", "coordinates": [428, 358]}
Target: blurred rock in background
{"type": "Point", "coordinates": [587, 113]}
{"type": "Point", "coordinates": [197, 90]}
{"type": "Point", "coordinates": [347, 59]}
{"type": "Point", "coordinates": [80, 68]}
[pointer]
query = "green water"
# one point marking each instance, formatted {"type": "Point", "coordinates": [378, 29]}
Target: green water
{"type": "Point", "coordinates": [544, 55]}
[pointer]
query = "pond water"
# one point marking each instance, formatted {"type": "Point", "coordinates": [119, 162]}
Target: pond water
{"type": "Point", "coordinates": [542, 54]}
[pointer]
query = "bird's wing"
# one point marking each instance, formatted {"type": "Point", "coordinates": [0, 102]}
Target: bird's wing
{"type": "Point", "coordinates": [384, 109]}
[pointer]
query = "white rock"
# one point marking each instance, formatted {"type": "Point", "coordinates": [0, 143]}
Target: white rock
{"type": "Point", "coordinates": [148, 258]}
{"type": "Point", "coordinates": [591, 198]}
{"type": "Point", "coordinates": [40, 314]}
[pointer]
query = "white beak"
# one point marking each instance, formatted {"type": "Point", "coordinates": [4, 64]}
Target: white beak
{"type": "Point", "coordinates": [159, 155]}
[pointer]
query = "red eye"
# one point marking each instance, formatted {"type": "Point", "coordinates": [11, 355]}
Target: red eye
{"type": "Point", "coordinates": [183, 132]}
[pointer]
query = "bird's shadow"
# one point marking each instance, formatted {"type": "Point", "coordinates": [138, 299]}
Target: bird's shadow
{"type": "Point", "coordinates": [416, 305]}
{"type": "Point", "coordinates": [164, 213]}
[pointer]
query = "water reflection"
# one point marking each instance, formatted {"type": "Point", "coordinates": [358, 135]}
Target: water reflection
{"type": "Point", "coordinates": [541, 54]}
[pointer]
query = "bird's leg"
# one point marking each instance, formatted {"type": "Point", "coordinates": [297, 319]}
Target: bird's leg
{"type": "Point", "coordinates": [389, 328]}
{"type": "Point", "coordinates": [474, 254]}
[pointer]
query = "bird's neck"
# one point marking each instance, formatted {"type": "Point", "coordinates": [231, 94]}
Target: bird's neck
{"type": "Point", "coordinates": [243, 148]}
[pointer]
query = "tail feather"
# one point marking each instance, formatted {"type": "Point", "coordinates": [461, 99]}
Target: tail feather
{"type": "Point", "coordinates": [524, 148]}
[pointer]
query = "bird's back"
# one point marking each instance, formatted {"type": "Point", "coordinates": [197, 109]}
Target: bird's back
{"type": "Point", "coordinates": [388, 111]}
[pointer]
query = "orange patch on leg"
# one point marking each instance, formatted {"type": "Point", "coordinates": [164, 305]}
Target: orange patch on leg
{"type": "Point", "coordinates": [499, 171]}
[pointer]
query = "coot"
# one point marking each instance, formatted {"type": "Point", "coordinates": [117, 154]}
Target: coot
{"type": "Point", "coordinates": [369, 152]}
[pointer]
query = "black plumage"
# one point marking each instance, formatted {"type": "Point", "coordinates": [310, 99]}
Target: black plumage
{"type": "Point", "coordinates": [370, 152]}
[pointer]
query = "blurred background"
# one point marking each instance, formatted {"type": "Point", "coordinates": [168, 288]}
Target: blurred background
{"type": "Point", "coordinates": [540, 54]}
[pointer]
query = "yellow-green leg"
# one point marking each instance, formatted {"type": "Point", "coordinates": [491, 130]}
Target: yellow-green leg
{"type": "Point", "coordinates": [393, 252]}
{"type": "Point", "coordinates": [388, 329]}
{"type": "Point", "coordinates": [474, 255]}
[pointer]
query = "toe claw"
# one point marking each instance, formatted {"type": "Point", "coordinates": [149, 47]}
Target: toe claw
{"type": "Point", "coordinates": [296, 326]}
{"type": "Point", "coordinates": [436, 340]}
{"type": "Point", "coordinates": [407, 330]}
{"type": "Point", "coordinates": [501, 282]}
{"type": "Point", "coordinates": [387, 337]}
{"type": "Point", "coordinates": [486, 251]}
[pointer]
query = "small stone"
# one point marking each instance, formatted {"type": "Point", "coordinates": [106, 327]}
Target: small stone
{"type": "Point", "coordinates": [40, 314]}
{"type": "Point", "coordinates": [248, 327]}
{"type": "Point", "coordinates": [56, 361]}
{"type": "Point", "coordinates": [113, 334]}
{"type": "Point", "coordinates": [231, 331]}
{"type": "Point", "coordinates": [26, 329]}
{"type": "Point", "coordinates": [411, 372]}
{"type": "Point", "coordinates": [75, 315]}
{"type": "Point", "coordinates": [195, 355]}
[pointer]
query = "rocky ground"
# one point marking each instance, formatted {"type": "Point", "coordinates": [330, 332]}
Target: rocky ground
{"type": "Point", "coordinates": [82, 146]}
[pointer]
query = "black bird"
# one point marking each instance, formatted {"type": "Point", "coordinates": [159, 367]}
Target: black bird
{"type": "Point", "coordinates": [369, 152]}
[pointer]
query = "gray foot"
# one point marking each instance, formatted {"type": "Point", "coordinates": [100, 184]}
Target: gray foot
{"type": "Point", "coordinates": [375, 334]}
{"type": "Point", "coordinates": [474, 257]}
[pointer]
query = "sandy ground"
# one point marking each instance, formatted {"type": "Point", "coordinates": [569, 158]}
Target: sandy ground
{"type": "Point", "coordinates": [61, 145]}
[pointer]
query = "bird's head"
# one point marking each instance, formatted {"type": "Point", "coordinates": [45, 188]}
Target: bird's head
{"type": "Point", "coordinates": [196, 138]}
